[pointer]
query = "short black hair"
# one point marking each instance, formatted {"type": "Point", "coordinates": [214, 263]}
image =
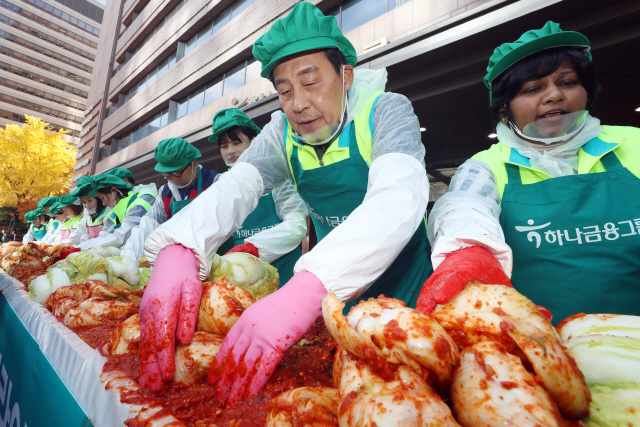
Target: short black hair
{"type": "Point", "coordinates": [132, 181]}
{"type": "Point", "coordinates": [107, 190]}
{"type": "Point", "coordinates": [333, 54]}
{"type": "Point", "coordinates": [541, 64]}
{"type": "Point", "coordinates": [233, 134]}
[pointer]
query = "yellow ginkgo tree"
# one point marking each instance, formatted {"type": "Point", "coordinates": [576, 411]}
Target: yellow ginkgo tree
{"type": "Point", "coordinates": [35, 162]}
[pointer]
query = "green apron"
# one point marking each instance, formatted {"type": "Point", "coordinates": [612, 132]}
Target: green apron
{"type": "Point", "coordinates": [176, 206]}
{"type": "Point", "coordinates": [263, 217]}
{"type": "Point", "coordinates": [40, 232]}
{"type": "Point", "coordinates": [575, 240]}
{"type": "Point", "coordinates": [333, 191]}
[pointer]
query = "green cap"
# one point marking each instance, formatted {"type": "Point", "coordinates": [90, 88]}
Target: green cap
{"type": "Point", "coordinates": [174, 153]}
{"type": "Point", "coordinates": [67, 200]}
{"type": "Point", "coordinates": [55, 208]}
{"type": "Point", "coordinates": [107, 180]}
{"type": "Point", "coordinates": [30, 216]}
{"type": "Point", "coordinates": [304, 28]}
{"type": "Point", "coordinates": [531, 42]}
{"type": "Point", "coordinates": [228, 118]}
{"type": "Point", "coordinates": [84, 190]}
{"type": "Point", "coordinates": [121, 172]}
{"type": "Point", "coordinates": [48, 201]}
{"type": "Point", "coordinates": [40, 212]}
{"type": "Point", "coordinates": [83, 180]}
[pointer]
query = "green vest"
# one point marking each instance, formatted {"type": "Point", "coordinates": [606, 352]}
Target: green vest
{"type": "Point", "coordinates": [99, 218]}
{"type": "Point", "coordinates": [124, 205]}
{"type": "Point", "coordinates": [72, 224]}
{"type": "Point", "coordinates": [39, 231]}
{"type": "Point", "coordinates": [334, 186]}
{"type": "Point", "coordinates": [575, 238]}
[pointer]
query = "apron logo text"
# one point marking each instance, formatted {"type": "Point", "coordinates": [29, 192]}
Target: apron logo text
{"type": "Point", "coordinates": [591, 234]}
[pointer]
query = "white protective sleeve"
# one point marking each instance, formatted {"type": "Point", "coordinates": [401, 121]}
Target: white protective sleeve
{"type": "Point", "coordinates": [116, 237]}
{"type": "Point", "coordinates": [29, 237]}
{"type": "Point", "coordinates": [146, 187]}
{"type": "Point", "coordinates": [211, 218]}
{"type": "Point", "coordinates": [80, 234]}
{"type": "Point", "coordinates": [469, 215]}
{"type": "Point", "coordinates": [134, 247]}
{"type": "Point", "coordinates": [286, 236]}
{"type": "Point", "coordinates": [49, 234]}
{"type": "Point", "coordinates": [54, 238]}
{"type": "Point", "coordinates": [263, 167]}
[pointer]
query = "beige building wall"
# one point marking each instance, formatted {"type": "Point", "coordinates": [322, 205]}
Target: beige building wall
{"type": "Point", "coordinates": [16, 80]}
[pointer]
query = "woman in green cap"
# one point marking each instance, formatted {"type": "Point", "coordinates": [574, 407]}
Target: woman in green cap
{"type": "Point", "coordinates": [37, 229]}
{"type": "Point", "coordinates": [53, 235]}
{"type": "Point", "coordinates": [276, 227]}
{"type": "Point", "coordinates": [355, 156]}
{"type": "Point", "coordinates": [128, 208]}
{"type": "Point", "coordinates": [127, 176]}
{"type": "Point", "coordinates": [46, 204]}
{"type": "Point", "coordinates": [71, 208]}
{"type": "Point", "coordinates": [94, 213]}
{"type": "Point", "coordinates": [554, 204]}
{"type": "Point", "coordinates": [178, 164]}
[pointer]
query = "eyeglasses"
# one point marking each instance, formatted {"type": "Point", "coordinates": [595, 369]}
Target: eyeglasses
{"type": "Point", "coordinates": [176, 174]}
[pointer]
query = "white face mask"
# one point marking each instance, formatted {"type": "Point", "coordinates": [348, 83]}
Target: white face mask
{"type": "Point", "coordinates": [555, 129]}
{"type": "Point", "coordinates": [194, 172]}
{"type": "Point", "coordinates": [329, 132]}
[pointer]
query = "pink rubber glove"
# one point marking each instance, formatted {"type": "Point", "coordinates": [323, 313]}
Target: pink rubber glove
{"type": "Point", "coordinates": [170, 303]}
{"type": "Point", "coordinates": [255, 345]}
{"type": "Point", "coordinates": [246, 248]}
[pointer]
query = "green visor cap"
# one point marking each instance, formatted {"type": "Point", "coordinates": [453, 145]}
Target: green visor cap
{"type": "Point", "coordinates": [84, 190]}
{"type": "Point", "coordinates": [48, 201]}
{"type": "Point", "coordinates": [228, 118]}
{"type": "Point", "coordinates": [304, 28]}
{"type": "Point", "coordinates": [174, 153]}
{"type": "Point", "coordinates": [41, 212]}
{"type": "Point", "coordinates": [30, 216]}
{"type": "Point", "coordinates": [67, 200]}
{"type": "Point", "coordinates": [107, 180]}
{"type": "Point", "coordinates": [55, 208]}
{"type": "Point", "coordinates": [531, 42]}
{"type": "Point", "coordinates": [121, 173]}
{"type": "Point", "coordinates": [83, 180]}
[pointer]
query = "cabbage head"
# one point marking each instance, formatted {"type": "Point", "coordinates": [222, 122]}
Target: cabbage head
{"type": "Point", "coordinates": [614, 405]}
{"type": "Point", "coordinates": [42, 286]}
{"type": "Point", "coordinates": [125, 268]}
{"type": "Point", "coordinates": [246, 271]}
{"type": "Point", "coordinates": [87, 263]}
{"type": "Point", "coordinates": [145, 275]}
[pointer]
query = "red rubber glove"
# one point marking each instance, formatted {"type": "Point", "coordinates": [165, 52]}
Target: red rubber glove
{"type": "Point", "coordinates": [255, 345]}
{"type": "Point", "coordinates": [246, 248]}
{"type": "Point", "coordinates": [468, 265]}
{"type": "Point", "coordinates": [170, 304]}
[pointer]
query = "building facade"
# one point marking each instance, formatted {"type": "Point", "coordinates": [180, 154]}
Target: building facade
{"type": "Point", "coordinates": [165, 67]}
{"type": "Point", "coordinates": [48, 56]}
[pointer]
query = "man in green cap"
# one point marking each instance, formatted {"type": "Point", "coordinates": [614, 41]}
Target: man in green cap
{"type": "Point", "coordinates": [554, 204]}
{"type": "Point", "coordinates": [355, 155]}
{"type": "Point", "coordinates": [178, 164]}
{"type": "Point", "coordinates": [127, 210]}
{"type": "Point", "coordinates": [37, 229]}
{"type": "Point", "coordinates": [127, 176]}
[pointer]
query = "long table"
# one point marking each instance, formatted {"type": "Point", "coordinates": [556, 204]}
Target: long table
{"type": "Point", "coordinates": [48, 375]}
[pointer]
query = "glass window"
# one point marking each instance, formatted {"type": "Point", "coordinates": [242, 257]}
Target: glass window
{"type": "Point", "coordinates": [65, 16]}
{"type": "Point", "coordinates": [196, 100]}
{"type": "Point", "coordinates": [253, 70]}
{"type": "Point", "coordinates": [152, 76]}
{"type": "Point", "coordinates": [73, 20]}
{"type": "Point", "coordinates": [357, 12]}
{"type": "Point", "coordinates": [203, 34]}
{"type": "Point", "coordinates": [191, 44]}
{"type": "Point", "coordinates": [239, 7]}
{"type": "Point", "coordinates": [155, 124]}
{"type": "Point", "coordinates": [234, 79]}
{"type": "Point", "coordinates": [144, 131]}
{"type": "Point", "coordinates": [164, 66]}
{"type": "Point", "coordinates": [221, 20]}
{"type": "Point", "coordinates": [213, 92]}
{"type": "Point", "coordinates": [164, 118]}
{"type": "Point", "coordinates": [182, 108]}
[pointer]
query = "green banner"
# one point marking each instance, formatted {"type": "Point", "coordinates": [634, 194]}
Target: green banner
{"type": "Point", "coordinates": [31, 393]}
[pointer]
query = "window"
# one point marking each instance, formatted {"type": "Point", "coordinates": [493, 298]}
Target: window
{"type": "Point", "coordinates": [213, 92]}
{"type": "Point", "coordinates": [253, 70]}
{"type": "Point", "coordinates": [182, 107]}
{"type": "Point", "coordinates": [355, 13]}
{"type": "Point", "coordinates": [196, 101]}
{"type": "Point", "coordinates": [240, 6]}
{"type": "Point", "coordinates": [234, 79]}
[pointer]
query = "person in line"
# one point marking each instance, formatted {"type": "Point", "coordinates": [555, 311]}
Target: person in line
{"type": "Point", "coordinates": [54, 238]}
{"type": "Point", "coordinates": [355, 155]}
{"type": "Point", "coordinates": [127, 176]}
{"type": "Point", "coordinates": [554, 203]}
{"type": "Point", "coordinates": [178, 164]}
{"type": "Point", "coordinates": [71, 208]}
{"type": "Point", "coordinates": [52, 225]}
{"type": "Point", "coordinates": [127, 210]}
{"type": "Point", "coordinates": [94, 213]}
{"type": "Point", "coordinates": [276, 227]}
{"type": "Point", "coordinates": [36, 228]}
